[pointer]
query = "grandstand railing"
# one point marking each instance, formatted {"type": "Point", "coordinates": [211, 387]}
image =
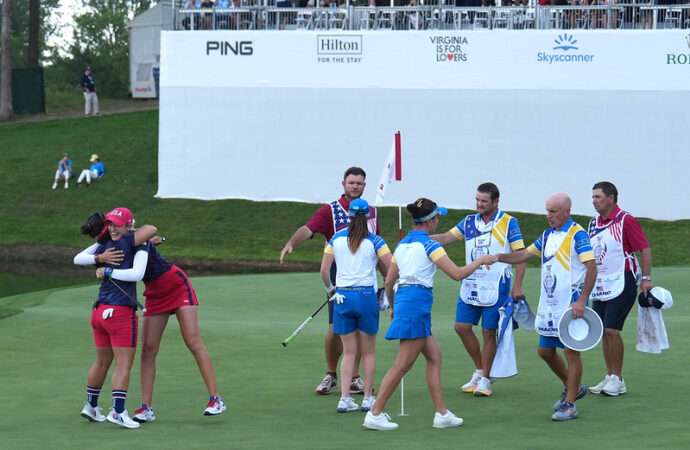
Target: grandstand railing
{"type": "Point", "coordinates": [252, 16]}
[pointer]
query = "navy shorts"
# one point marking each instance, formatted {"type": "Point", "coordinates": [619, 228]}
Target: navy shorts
{"type": "Point", "coordinates": [614, 312]}
{"type": "Point", "coordinates": [359, 311]}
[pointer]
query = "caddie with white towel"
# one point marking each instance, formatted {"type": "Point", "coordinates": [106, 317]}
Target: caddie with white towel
{"type": "Point", "coordinates": [616, 236]}
{"type": "Point", "coordinates": [489, 232]}
{"type": "Point", "coordinates": [568, 273]}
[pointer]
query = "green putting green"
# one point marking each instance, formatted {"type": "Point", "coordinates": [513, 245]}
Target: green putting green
{"type": "Point", "coordinates": [47, 349]}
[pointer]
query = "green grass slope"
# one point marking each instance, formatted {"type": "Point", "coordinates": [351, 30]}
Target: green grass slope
{"type": "Point", "coordinates": [46, 352]}
{"type": "Point", "coordinates": [229, 229]}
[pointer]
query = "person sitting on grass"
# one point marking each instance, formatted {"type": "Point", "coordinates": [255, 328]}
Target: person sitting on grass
{"type": "Point", "coordinates": [96, 170]}
{"type": "Point", "coordinates": [64, 171]}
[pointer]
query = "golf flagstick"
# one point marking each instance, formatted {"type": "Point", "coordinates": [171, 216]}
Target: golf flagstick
{"type": "Point", "coordinates": [392, 171]}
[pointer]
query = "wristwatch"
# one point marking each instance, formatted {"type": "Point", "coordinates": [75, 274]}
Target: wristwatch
{"type": "Point", "coordinates": [646, 278]}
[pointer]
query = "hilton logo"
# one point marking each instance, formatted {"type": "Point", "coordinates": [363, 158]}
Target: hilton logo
{"type": "Point", "coordinates": [339, 49]}
{"type": "Point", "coordinates": [338, 44]}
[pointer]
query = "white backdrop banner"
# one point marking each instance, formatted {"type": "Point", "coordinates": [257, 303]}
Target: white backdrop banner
{"type": "Point", "coordinates": [280, 115]}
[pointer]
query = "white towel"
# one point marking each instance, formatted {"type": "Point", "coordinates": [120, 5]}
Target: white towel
{"type": "Point", "coordinates": [505, 363]}
{"type": "Point", "coordinates": [651, 331]}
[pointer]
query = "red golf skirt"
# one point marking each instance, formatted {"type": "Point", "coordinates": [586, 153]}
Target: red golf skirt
{"type": "Point", "coordinates": [169, 292]}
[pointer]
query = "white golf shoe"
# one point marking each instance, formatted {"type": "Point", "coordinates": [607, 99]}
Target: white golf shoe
{"type": "Point", "coordinates": [597, 388]}
{"type": "Point", "coordinates": [346, 404]}
{"type": "Point", "coordinates": [122, 419]}
{"type": "Point", "coordinates": [144, 414]}
{"type": "Point", "coordinates": [471, 385]}
{"type": "Point", "coordinates": [614, 387]}
{"type": "Point", "coordinates": [215, 406]}
{"type": "Point", "coordinates": [367, 403]}
{"type": "Point", "coordinates": [382, 422]}
{"type": "Point", "coordinates": [483, 388]}
{"type": "Point", "coordinates": [447, 420]}
{"type": "Point", "coordinates": [91, 413]}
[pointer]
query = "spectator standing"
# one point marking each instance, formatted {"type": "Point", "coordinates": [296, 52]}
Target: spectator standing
{"type": "Point", "coordinates": [88, 85]}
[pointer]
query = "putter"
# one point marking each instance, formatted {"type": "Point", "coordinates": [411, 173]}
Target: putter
{"type": "Point", "coordinates": [299, 329]}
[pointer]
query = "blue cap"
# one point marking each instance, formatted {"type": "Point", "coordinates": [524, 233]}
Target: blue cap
{"type": "Point", "coordinates": [358, 206]}
{"type": "Point", "coordinates": [439, 211]}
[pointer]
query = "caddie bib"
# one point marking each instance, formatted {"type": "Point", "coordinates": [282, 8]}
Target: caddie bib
{"type": "Point", "coordinates": [556, 280]}
{"type": "Point", "coordinates": [341, 220]}
{"type": "Point", "coordinates": [609, 255]}
{"type": "Point", "coordinates": [482, 287]}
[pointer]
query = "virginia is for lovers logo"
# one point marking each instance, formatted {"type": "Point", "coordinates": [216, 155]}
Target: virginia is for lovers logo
{"type": "Point", "coordinates": [450, 48]}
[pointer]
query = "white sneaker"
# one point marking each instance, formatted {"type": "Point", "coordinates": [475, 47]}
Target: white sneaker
{"type": "Point", "coordinates": [447, 420]}
{"type": "Point", "coordinates": [91, 413]}
{"type": "Point", "coordinates": [326, 385]}
{"type": "Point", "coordinates": [346, 404]}
{"type": "Point", "coordinates": [66, 185]}
{"type": "Point", "coordinates": [597, 388]}
{"type": "Point", "coordinates": [471, 385]}
{"type": "Point", "coordinates": [382, 422]}
{"type": "Point", "coordinates": [614, 387]}
{"type": "Point", "coordinates": [214, 407]}
{"type": "Point", "coordinates": [483, 388]}
{"type": "Point", "coordinates": [367, 403]}
{"type": "Point", "coordinates": [122, 419]}
{"type": "Point", "coordinates": [55, 185]}
{"type": "Point", "coordinates": [144, 414]}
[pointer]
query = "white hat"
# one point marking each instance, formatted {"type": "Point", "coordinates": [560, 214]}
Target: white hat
{"type": "Point", "coordinates": [663, 295]}
{"type": "Point", "coordinates": [580, 334]}
{"type": "Point", "coordinates": [523, 314]}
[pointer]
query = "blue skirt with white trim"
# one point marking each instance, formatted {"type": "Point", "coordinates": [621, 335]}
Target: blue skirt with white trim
{"type": "Point", "coordinates": [411, 313]}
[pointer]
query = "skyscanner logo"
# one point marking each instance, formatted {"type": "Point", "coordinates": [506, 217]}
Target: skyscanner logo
{"type": "Point", "coordinates": [227, 48]}
{"type": "Point", "coordinates": [565, 43]}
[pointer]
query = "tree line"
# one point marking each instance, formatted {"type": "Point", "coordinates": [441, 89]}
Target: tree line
{"type": "Point", "coordinates": [100, 39]}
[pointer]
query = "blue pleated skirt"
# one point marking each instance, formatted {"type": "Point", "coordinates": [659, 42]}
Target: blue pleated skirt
{"type": "Point", "coordinates": [411, 313]}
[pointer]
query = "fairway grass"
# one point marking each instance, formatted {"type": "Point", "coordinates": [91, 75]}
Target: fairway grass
{"type": "Point", "coordinates": [47, 349]}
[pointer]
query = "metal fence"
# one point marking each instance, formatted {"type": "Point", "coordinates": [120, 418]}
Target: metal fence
{"type": "Point", "coordinates": [249, 15]}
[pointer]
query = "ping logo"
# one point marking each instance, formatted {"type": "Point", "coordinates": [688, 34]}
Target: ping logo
{"type": "Point", "coordinates": [565, 42]}
{"type": "Point", "coordinates": [107, 313]}
{"type": "Point", "coordinates": [225, 48]}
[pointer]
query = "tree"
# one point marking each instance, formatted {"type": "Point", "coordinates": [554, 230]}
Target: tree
{"type": "Point", "coordinates": [34, 33]}
{"type": "Point", "coordinates": [6, 111]}
{"type": "Point", "coordinates": [101, 40]}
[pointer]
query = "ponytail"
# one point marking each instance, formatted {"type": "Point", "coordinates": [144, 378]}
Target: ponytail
{"type": "Point", "coordinates": [357, 230]}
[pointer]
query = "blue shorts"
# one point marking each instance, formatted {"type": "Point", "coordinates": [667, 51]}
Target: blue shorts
{"type": "Point", "coordinates": [550, 342]}
{"type": "Point", "coordinates": [470, 314]}
{"type": "Point", "coordinates": [358, 311]}
{"type": "Point", "coordinates": [411, 313]}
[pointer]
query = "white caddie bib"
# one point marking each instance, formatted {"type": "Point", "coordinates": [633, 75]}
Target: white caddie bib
{"type": "Point", "coordinates": [482, 287]}
{"type": "Point", "coordinates": [607, 243]}
{"type": "Point", "coordinates": [556, 280]}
